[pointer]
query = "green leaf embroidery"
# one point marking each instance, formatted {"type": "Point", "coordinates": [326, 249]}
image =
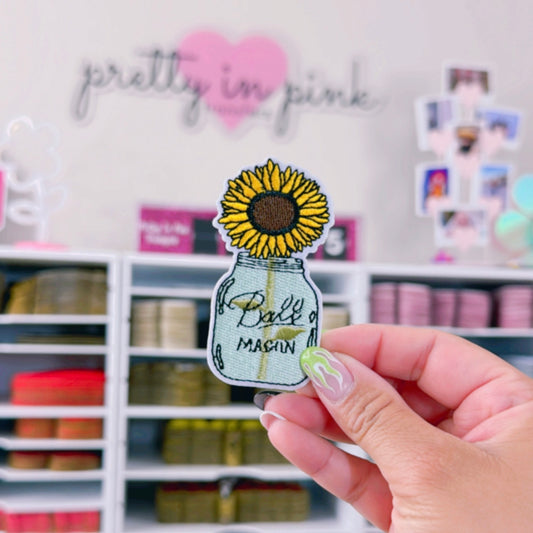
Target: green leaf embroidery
{"type": "Point", "coordinates": [250, 304]}
{"type": "Point", "coordinates": [287, 333]}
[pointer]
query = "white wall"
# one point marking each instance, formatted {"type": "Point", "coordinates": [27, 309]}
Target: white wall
{"type": "Point", "coordinates": [136, 150]}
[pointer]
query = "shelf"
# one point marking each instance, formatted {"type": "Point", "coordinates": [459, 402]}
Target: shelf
{"type": "Point", "coordinates": [193, 353]}
{"type": "Point", "coordinates": [490, 332]}
{"type": "Point", "coordinates": [465, 274]}
{"type": "Point", "coordinates": [9, 319]}
{"type": "Point", "coordinates": [10, 442]}
{"type": "Point", "coordinates": [160, 261]}
{"type": "Point", "coordinates": [154, 469]}
{"type": "Point", "coordinates": [53, 349]}
{"type": "Point", "coordinates": [135, 524]}
{"type": "Point", "coordinates": [144, 521]}
{"type": "Point", "coordinates": [46, 490]}
{"type": "Point", "coordinates": [48, 258]}
{"type": "Point", "coordinates": [172, 292]}
{"type": "Point", "coordinates": [8, 410]}
{"type": "Point", "coordinates": [341, 283]}
{"type": "Point", "coordinates": [18, 474]}
{"type": "Point", "coordinates": [343, 299]}
{"type": "Point", "coordinates": [206, 294]}
{"type": "Point", "coordinates": [208, 411]}
{"type": "Point", "coordinates": [48, 497]}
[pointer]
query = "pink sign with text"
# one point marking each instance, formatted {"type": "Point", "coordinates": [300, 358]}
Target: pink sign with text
{"type": "Point", "coordinates": [342, 241]}
{"type": "Point", "coordinates": [188, 231]}
{"type": "Point", "coordinates": [177, 230]}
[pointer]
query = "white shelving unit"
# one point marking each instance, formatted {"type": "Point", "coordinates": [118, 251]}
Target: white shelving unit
{"type": "Point", "coordinates": [163, 276]}
{"type": "Point", "coordinates": [153, 276]}
{"type": "Point", "coordinates": [43, 490]}
{"type": "Point", "coordinates": [502, 341]}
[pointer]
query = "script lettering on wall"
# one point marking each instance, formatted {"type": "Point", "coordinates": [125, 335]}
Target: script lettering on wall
{"type": "Point", "coordinates": [244, 83]}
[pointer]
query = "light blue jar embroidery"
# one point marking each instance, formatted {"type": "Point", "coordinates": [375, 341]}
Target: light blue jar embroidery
{"type": "Point", "coordinates": [266, 312]}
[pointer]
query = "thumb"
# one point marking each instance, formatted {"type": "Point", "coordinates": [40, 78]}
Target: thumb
{"type": "Point", "coordinates": [369, 410]}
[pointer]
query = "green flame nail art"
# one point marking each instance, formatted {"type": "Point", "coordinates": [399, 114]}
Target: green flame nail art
{"type": "Point", "coordinates": [316, 363]}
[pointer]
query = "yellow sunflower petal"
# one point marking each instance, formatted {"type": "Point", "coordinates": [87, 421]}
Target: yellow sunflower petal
{"type": "Point", "coordinates": [313, 234]}
{"type": "Point", "coordinates": [309, 222]}
{"type": "Point", "coordinates": [236, 195]}
{"type": "Point", "coordinates": [265, 174]}
{"type": "Point", "coordinates": [307, 211]}
{"type": "Point", "coordinates": [231, 225]}
{"type": "Point", "coordinates": [234, 205]}
{"type": "Point", "coordinates": [281, 245]}
{"type": "Point", "coordinates": [272, 244]}
{"type": "Point", "coordinates": [242, 227]}
{"type": "Point", "coordinates": [299, 238]}
{"type": "Point", "coordinates": [293, 182]}
{"type": "Point", "coordinates": [304, 184]}
{"type": "Point", "coordinates": [275, 178]}
{"type": "Point", "coordinates": [246, 189]}
{"type": "Point", "coordinates": [319, 204]}
{"type": "Point", "coordinates": [244, 178]}
{"type": "Point", "coordinates": [249, 239]}
{"type": "Point", "coordinates": [255, 182]}
{"type": "Point", "coordinates": [289, 241]}
{"type": "Point", "coordinates": [233, 217]}
{"type": "Point", "coordinates": [261, 244]}
{"type": "Point", "coordinates": [307, 196]}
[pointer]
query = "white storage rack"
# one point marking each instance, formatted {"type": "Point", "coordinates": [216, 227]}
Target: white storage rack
{"type": "Point", "coordinates": [163, 276]}
{"type": "Point", "coordinates": [27, 491]}
{"type": "Point", "coordinates": [188, 277]}
{"type": "Point", "coordinates": [502, 341]}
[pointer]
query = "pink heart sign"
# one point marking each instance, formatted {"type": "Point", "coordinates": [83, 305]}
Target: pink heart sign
{"type": "Point", "coordinates": [232, 79]}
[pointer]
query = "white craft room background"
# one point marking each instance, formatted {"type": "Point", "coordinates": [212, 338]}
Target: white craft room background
{"type": "Point", "coordinates": [121, 144]}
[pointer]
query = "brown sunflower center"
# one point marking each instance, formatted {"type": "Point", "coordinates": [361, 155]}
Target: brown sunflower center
{"type": "Point", "coordinates": [273, 213]}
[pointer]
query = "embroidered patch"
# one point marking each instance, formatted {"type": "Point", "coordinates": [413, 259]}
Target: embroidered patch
{"type": "Point", "coordinates": [266, 310]}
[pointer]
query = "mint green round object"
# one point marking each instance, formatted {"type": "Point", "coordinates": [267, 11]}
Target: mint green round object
{"type": "Point", "coordinates": [523, 194]}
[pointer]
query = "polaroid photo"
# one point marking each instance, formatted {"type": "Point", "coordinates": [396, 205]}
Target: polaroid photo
{"type": "Point", "coordinates": [467, 151]}
{"type": "Point", "coordinates": [467, 139]}
{"type": "Point", "coordinates": [500, 128]}
{"type": "Point", "coordinates": [492, 187]}
{"type": "Point", "coordinates": [435, 188]}
{"type": "Point", "coordinates": [462, 227]}
{"type": "Point", "coordinates": [470, 84]}
{"type": "Point", "coordinates": [435, 117]}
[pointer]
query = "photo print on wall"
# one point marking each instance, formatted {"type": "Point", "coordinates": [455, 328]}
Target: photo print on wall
{"type": "Point", "coordinates": [465, 188]}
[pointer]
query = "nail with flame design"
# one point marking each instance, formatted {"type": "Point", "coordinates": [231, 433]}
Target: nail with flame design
{"type": "Point", "coordinates": [329, 376]}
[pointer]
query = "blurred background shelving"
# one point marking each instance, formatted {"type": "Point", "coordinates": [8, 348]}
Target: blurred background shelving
{"type": "Point", "coordinates": [166, 423]}
{"type": "Point", "coordinates": [58, 312]}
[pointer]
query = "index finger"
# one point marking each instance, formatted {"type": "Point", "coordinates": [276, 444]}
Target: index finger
{"type": "Point", "coordinates": [446, 367]}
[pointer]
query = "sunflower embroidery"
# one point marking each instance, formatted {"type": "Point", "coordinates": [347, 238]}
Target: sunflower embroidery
{"type": "Point", "coordinates": [273, 213]}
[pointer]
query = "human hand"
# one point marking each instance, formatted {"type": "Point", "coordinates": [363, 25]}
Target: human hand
{"type": "Point", "coordinates": [448, 425]}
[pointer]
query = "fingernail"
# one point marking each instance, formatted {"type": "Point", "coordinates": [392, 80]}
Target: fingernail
{"type": "Point", "coordinates": [329, 376]}
{"type": "Point", "coordinates": [268, 417]}
{"type": "Point", "coordinates": [261, 397]}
